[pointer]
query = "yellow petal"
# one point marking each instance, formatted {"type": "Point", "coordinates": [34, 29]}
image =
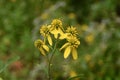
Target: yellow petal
{"type": "Point", "coordinates": [60, 31]}
{"type": "Point", "coordinates": [62, 36]}
{"type": "Point", "coordinates": [56, 36]}
{"type": "Point", "coordinates": [55, 33]}
{"type": "Point", "coordinates": [42, 51]}
{"type": "Point", "coordinates": [67, 52]}
{"type": "Point", "coordinates": [46, 48]}
{"type": "Point", "coordinates": [74, 53]}
{"type": "Point", "coordinates": [64, 46]}
{"type": "Point", "coordinates": [37, 43]}
{"type": "Point", "coordinates": [49, 40]}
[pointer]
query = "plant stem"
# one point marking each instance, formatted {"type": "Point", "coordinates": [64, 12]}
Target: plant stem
{"type": "Point", "coordinates": [49, 74]}
{"type": "Point", "coordinates": [50, 61]}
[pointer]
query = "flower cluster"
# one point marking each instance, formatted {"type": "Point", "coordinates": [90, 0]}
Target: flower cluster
{"type": "Point", "coordinates": [56, 29]}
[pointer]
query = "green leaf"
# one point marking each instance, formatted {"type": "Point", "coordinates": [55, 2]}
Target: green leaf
{"type": "Point", "coordinates": [13, 59]}
{"type": "Point", "coordinates": [1, 66]}
{"type": "Point", "coordinates": [9, 61]}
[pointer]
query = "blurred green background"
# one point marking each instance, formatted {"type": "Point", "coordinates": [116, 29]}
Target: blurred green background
{"type": "Point", "coordinates": [98, 25]}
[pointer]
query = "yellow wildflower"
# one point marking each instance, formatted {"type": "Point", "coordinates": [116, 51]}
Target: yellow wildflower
{"type": "Point", "coordinates": [56, 27]}
{"type": "Point", "coordinates": [41, 46]}
{"type": "Point", "coordinates": [73, 74]}
{"type": "Point", "coordinates": [89, 38]}
{"type": "Point", "coordinates": [72, 15]}
{"type": "Point", "coordinates": [84, 27]}
{"type": "Point", "coordinates": [88, 58]}
{"type": "Point", "coordinates": [71, 31]}
{"type": "Point", "coordinates": [44, 16]}
{"type": "Point", "coordinates": [63, 35]}
{"type": "Point", "coordinates": [56, 23]}
{"type": "Point", "coordinates": [45, 32]}
{"type": "Point", "coordinates": [70, 47]}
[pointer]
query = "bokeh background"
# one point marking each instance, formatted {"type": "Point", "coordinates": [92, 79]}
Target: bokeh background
{"type": "Point", "coordinates": [98, 25]}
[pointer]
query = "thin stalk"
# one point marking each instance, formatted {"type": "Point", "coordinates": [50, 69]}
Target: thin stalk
{"type": "Point", "coordinates": [50, 61]}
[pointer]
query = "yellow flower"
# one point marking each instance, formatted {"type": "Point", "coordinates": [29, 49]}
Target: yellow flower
{"type": "Point", "coordinates": [73, 74]}
{"type": "Point", "coordinates": [71, 31]}
{"type": "Point", "coordinates": [72, 16]}
{"type": "Point", "coordinates": [70, 47]}
{"type": "Point", "coordinates": [44, 16]}
{"type": "Point", "coordinates": [63, 36]}
{"type": "Point", "coordinates": [41, 46]}
{"type": "Point", "coordinates": [84, 27]}
{"type": "Point", "coordinates": [88, 58]}
{"type": "Point", "coordinates": [56, 27]}
{"type": "Point", "coordinates": [89, 38]}
{"type": "Point", "coordinates": [45, 32]}
{"type": "Point", "coordinates": [56, 23]}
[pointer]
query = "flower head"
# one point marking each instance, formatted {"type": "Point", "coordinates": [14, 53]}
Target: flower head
{"type": "Point", "coordinates": [72, 16]}
{"type": "Point", "coordinates": [71, 31]}
{"type": "Point", "coordinates": [70, 47]}
{"type": "Point", "coordinates": [41, 46]}
{"type": "Point", "coordinates": [44, 16]}
{"type": "Point", "coordinates": [56, 27]}
{"type": "Point", "coordinates": [58, 32]}
{"type": "Point", "coordinates": [84, 27]}
{"type": "Point", "coordinates": [89, 38]}
{"type": "Point", "coordinates": [45, 32]}
{"type": "Point", "coordinates": [73, 74]}
{"type": "Point", "coordinates": [56, 24]}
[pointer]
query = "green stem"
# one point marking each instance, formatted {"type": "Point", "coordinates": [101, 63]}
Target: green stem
{"type": "Point", "coordinates": [49, 75]}
{"type": "Point", "coordinates": [50, 61]}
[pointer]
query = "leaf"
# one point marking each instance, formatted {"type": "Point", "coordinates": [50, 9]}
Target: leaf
{"type": "Point", "coordinates": [9, 61]}
{"type": "Point", "coordinates": [13, 59]}
{"type": "Point", "coordinates": [1, 66]}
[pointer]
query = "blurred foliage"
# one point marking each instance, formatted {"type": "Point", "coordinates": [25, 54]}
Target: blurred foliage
{"type": "Point", "coordinates": [9, 61]}
{"type": "Point", "coordinates": [98, 24]}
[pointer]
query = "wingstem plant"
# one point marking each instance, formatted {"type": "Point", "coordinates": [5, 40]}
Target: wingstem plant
{"type": "Point", "coordinates": [47, 45]}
